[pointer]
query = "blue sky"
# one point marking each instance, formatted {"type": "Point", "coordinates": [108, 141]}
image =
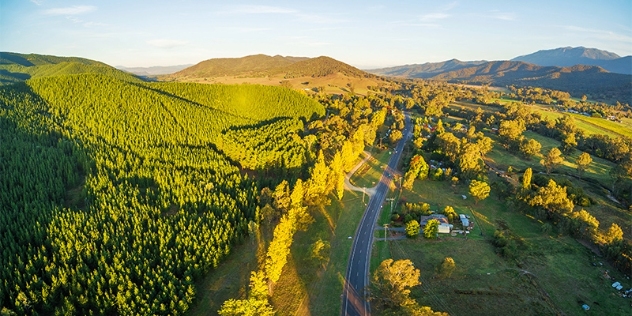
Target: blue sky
{"type": "Point", "coordinates": [365, 34]}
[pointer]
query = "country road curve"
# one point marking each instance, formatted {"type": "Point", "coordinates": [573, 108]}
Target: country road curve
{"type": "Point", "coordinates": [351, 187]}
{"type": "Point", "coordinates": [354, 300]}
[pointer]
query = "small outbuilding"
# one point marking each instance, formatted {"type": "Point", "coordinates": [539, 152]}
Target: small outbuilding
{"type": "Point", "coordinates": [444, 228]}
{"type": "Point", "coordinates": [464, 220]}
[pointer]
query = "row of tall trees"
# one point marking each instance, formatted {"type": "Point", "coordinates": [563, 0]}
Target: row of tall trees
{"type": "Point", "coordinates": [339, 140]}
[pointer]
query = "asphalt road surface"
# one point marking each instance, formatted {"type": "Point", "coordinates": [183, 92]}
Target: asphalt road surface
{"type": "Point", "coordinates": [354, 300]}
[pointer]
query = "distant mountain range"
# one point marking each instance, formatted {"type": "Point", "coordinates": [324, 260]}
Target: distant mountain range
{"type": "Point", "coordinates": [154, 70]}
{"type": "Point", "coordinates": [427, 70]}
{"type": "Point", "coordinates": [572, 77]}
{"type": "Point", "coordinates": [571, 56]}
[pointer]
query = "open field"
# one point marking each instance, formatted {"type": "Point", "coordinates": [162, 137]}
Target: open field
{"type": "Point", "coordinates": [501, 159]}
{"type": "Point", "coordinates": [594, 181]}
{"type": "Point", "coordinates": [551, 274]}
{"type": "Point", "coordinates": [590, 125]}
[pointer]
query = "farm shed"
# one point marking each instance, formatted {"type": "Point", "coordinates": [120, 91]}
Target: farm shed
{"type": "Point", "coordinates": [464, 220]}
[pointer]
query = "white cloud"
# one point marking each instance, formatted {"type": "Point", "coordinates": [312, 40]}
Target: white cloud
{"type": "Point", "coordinates": [37, 2]}
{"type": "Point", "coordinates": [166, 43]}
{"type": "Point", "coordinates": [74, 10]}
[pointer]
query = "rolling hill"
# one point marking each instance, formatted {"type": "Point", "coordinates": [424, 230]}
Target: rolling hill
{"type": "Point", "coordinates": [299, 72]}
{"type": "Point", "coordinates": [570, 56]}
{"type": "Point", "coordinates": [253, 65]}
{"type": "Point", "coordinates": [15, 67]}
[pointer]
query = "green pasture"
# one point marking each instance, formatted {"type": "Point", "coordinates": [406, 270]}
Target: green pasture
{"type": "Point", "coordinates": [550, 275]}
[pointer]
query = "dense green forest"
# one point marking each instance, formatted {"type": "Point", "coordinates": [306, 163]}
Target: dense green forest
{"type": "Point", "coordinates": [116, 195]}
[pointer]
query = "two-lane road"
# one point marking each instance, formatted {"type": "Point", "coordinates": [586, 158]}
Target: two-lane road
{"type": "Point", "coordinates": [354, 300]}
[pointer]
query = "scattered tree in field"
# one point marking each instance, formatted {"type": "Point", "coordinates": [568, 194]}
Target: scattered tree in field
{"type": "Point", "coordinates": [470, 161]}
{"type": "Point", "coordinates": [484, 144]}
{"type": "Point", "coordinates": [479, 190]}
{"type": "Point", "coordinates": [526, 179]}
{"type": "Point", "coordinates": [530, 147]}
{"type": "Point", "coordinates": [447, 267]}
{"type": "Point", "coordinates": [450, 213]}
{"type": "Point", "coordinates": [613, 234]}
{"type": "Point", "coordinates": [431, 229]}
{"type": "Point", "coordinates": [511, 130]}
{"type": "Point", "coordinates": [569, 142]}
{"type": "Point", "coordinates": [418, 169]}
{"type": "Point", "coordinates": [553, 198]}
{"type": "Point", "coordinates": [583, 161]}
{"type": "Point", "coordinates": [320, 251]}
{"type": "Point", "coordinates": [455, 181]}
{"type": "Point", "coordinates": [412, 229]}
{"type": "Point", "coordinates": [392, 281]}
{"type": "Point", "coordinates": [552, 159]}
{"type": "Point", "coordinates": [616, 173]}
{"type": "Point", "coordinates": [583, 224]}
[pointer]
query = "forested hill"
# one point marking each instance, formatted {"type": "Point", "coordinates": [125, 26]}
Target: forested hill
{"type": "Point", "coordinates": [117, 195]}
{"type": "Point", "coordinates": [263, 65]}
{"type": "Point", "coordinates": [248, 65]}
{"type": "Point", "coordinates": [15, 67]}
{"type": "Point", "coordinates": [320, 67]}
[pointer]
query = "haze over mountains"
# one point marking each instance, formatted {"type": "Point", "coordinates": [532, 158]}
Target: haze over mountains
{"type": "Point", "coordinates": [571, 56]}
{"type": "Point", "coordinates": [154, 70]}
{"type": "Point", "coordinates": [559, 57]}
{"type": "Point", "coordinates": [576, 70]}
